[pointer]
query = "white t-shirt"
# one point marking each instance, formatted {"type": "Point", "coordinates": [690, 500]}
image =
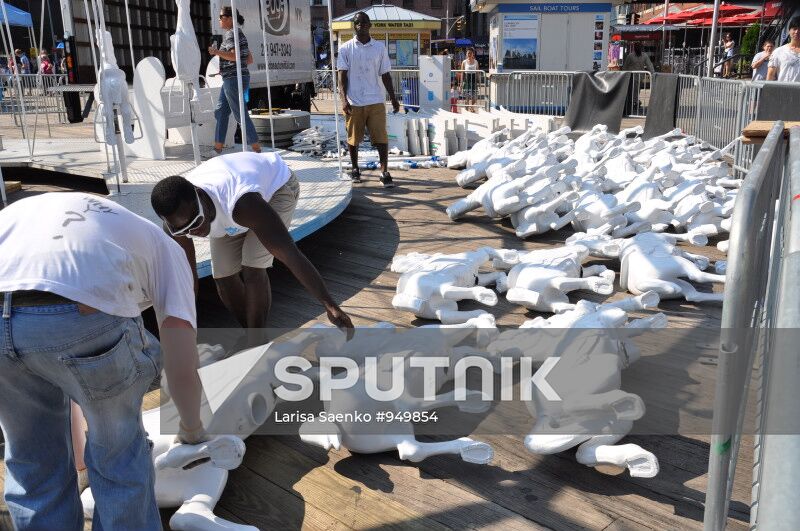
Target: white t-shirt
{"type": "Point", "coordinates": [93, 251]}
{"type": "Point", "coordinates": [228, 177]}
{"type": "Point", "coordinates": [787, 62]}
{"type": "Point", "coordinates": [365, 64]}
{"type": "Point", "coordinates": [760, 73]}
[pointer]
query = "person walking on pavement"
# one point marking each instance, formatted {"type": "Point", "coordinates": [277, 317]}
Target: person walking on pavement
{"type": "Point", "coordinates": [363, 64]}
{"type": "Point", "coordinates": [760, 63]}
{"type": "Point", "coordinates": [229, 96]}
{"type": "Point", "coordinates": [784, 63]}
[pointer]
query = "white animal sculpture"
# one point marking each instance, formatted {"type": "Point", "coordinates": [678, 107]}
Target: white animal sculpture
{"type": "Point", "coordinates": [184, 49]}
{"type": "Point", "coordinates": [111, 93]}
{"type": "Point", "coordinates": [592, 412]}
{"type": "Point", "coordinates": [376, 437]}
{"type": "Point", "coordinates": [194, 491]}
{"type": "Point", "coordinates": [240, 394]}
{"type": "Point", "coordinates": [596, 210]}
{"type": "Point", "coordinates": [431, 285]}
{"type": "Point", "coordinates": [651, 262]}
{"type": "Point", "coordinates": [542, 278]}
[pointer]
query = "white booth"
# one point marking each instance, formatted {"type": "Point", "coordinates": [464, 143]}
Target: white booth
{"type": "Point", "coordinates": [537, 35]}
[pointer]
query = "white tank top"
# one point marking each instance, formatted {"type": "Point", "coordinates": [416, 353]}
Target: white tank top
{"type": "Point", "coordinates": [468, 66]}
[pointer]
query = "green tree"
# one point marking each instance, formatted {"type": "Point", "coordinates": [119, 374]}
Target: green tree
{"type": "Point", "coordinates": [750, 40]}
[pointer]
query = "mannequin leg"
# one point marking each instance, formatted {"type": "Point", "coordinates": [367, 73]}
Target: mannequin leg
{"type": "Point", "coordinates": [600, 450]}
{"type": "Point", "coordinates": [470, 451]}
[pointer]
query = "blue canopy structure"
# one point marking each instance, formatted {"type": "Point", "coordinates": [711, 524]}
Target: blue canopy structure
{"type": "Point", "coordinates": [16, 17]}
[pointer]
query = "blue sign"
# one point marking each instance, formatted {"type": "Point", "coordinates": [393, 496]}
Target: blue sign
{"type": "Point", "coordinates": [554, 8]}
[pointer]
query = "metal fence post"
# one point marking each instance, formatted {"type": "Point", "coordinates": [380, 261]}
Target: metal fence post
{"type": "Point", "coordinates": [742, 312]}
{"type": "Point", "coordinates": [780, 459]}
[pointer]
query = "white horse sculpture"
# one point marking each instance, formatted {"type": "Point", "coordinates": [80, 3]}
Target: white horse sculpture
{"type": "Point", "coordinates": [112, 92]}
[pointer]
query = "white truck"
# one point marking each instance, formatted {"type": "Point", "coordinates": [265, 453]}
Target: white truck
{"type": "Point", "coordinates": [287, 25]}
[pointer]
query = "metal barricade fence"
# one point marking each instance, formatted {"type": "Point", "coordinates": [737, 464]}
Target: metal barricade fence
{"type": "Point", "coordinates": [469, 90]}
{"type": "Point", "coordinates": [687, 99]}
{"type": "Point", "coordinates": [323, 84]}
{"type": "Point", "coordinates": [639, 97]}
{"type": "Point", "coordinates": [532, 92]}
{"type": "Point", "coordinates": [406, 87]}
{"type": "Point", "coordinates": [776, 480]}
{"type": "Point", "coordinates": [550, 92]}
{"type": "Point", "coordinates": [405, 82]}
{"type": "Point", "coordinates": [36, 94]}
{"type": "Point", "coordinates": [716, 111]}
{"type": "Point", "coordinates": [749, 311]}
{"type": "Point", "coordinates": [720, 108]}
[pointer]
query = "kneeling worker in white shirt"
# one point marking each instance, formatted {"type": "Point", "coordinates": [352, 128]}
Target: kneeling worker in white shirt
{"type": "Point", "coordinates": [244, 203]}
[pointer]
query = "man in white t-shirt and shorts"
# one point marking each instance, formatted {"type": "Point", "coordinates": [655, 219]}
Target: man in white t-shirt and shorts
{"type": "Point", "coordinates": [363, 64]}
{"type": "Point", "coordinates": [784, 63]}
{"type": "Point", "coordinates": [243, 202]}
{"type": "Point", "coordinates": [76, 270]}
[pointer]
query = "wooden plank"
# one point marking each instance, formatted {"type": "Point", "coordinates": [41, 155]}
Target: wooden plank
{"type": "Point", "coordinates": [405, 483]}
{"type": "Point", "coordinates": [322, 487]}
{"type": "Point", "coordinates": [257, 501]}
{"type": "Point", "coordinates": [761, 128]}
{"type": "Point", "coordinates": [13, 186]}
{"type": "Point", "coordinates": [287, 484]}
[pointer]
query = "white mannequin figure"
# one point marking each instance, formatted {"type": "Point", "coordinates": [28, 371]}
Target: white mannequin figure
{"type": "Point", "coordinates": [595, 210]}
{"type": "Point", "coordinates": [186, 59]}
{"type": "Point", "coordinates": [239, 390]}
{"type": "Point", "coordinates": [502, 194]}
{"type": "Point", "coordinates": [194, 491]}
{"type": "Point", "coordinates": [593, 412]}
{"type": "Point", "coordinates": [184, 49]}
{"type": "Point", "coordinates": [542, 278]}
{"type": "Point", "coordinates": [542, 217]}
{"type": "Point", "coordinates": [399, 436]}
{"type": "Point", "coordinates": [431, 285]}
{"type": "Point", "coordinates": [650, 262]}
{"type": "Point", "coordinates": [112, 92]}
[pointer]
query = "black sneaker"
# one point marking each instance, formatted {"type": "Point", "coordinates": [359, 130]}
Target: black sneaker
{"type": "Point", "coordinates": [355, 175]}
{"type": "Point", "coordinates": [386, 180]}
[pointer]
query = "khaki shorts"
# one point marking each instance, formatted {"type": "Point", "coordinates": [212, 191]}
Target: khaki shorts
{"type": "Point", "coordinates": [230, 253]}
{"type": "Point", "coordinates": [371, 116]}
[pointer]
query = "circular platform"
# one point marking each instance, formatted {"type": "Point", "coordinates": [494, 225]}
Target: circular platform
{"type": "Point", "coordinates": [323, 194]}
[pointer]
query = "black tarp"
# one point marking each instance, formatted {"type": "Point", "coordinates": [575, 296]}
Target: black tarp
{"type": "Point", "coordinates": [779, 101]}
{"type": "Point", "coordinates": [662, 108]}
{"type": "Point", "coordinates": [597, 98]}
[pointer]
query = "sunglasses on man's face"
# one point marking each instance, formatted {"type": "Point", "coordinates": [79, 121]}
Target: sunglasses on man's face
{"type": "Point", "coordinates": [192, 225]}
{"type": "Point", "coordinates": [224, 16]}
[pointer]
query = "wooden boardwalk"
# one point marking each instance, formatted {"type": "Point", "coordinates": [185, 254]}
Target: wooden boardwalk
{"type": "Point", "coordinates": [286, 484]}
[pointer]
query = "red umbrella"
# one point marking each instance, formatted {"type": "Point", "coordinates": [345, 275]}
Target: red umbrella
{"type": "Point", "coordinates": [724, 9]}
{"type": "Point", "coordinates": [749, 18]}
{"type": "Point", "coordinates": [657, 20]}
{"type": "Point", "coordinates": [688, 14]}
{"type": "Point", "coordinates": [701, 21]}
{"type": "Point", "coordinates": [680, 16]}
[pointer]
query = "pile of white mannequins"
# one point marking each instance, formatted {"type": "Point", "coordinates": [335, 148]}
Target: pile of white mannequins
{"type": "Point", "coordinates": [618, 193]}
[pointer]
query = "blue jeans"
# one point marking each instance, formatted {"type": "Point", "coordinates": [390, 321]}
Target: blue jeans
{"type": "Point", "coordinates": [49, 355]}
{"type": "Point", "coordinates": [229, 103]}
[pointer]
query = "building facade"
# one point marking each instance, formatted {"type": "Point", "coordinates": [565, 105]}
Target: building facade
{"type": "Point", "coordinates": [473, 25]}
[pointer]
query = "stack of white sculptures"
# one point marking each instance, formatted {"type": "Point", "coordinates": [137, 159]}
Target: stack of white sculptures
{"type": "Point", "coordinates": [600, 183]}
{"type": "Point", "coordinates": [619, 194]}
